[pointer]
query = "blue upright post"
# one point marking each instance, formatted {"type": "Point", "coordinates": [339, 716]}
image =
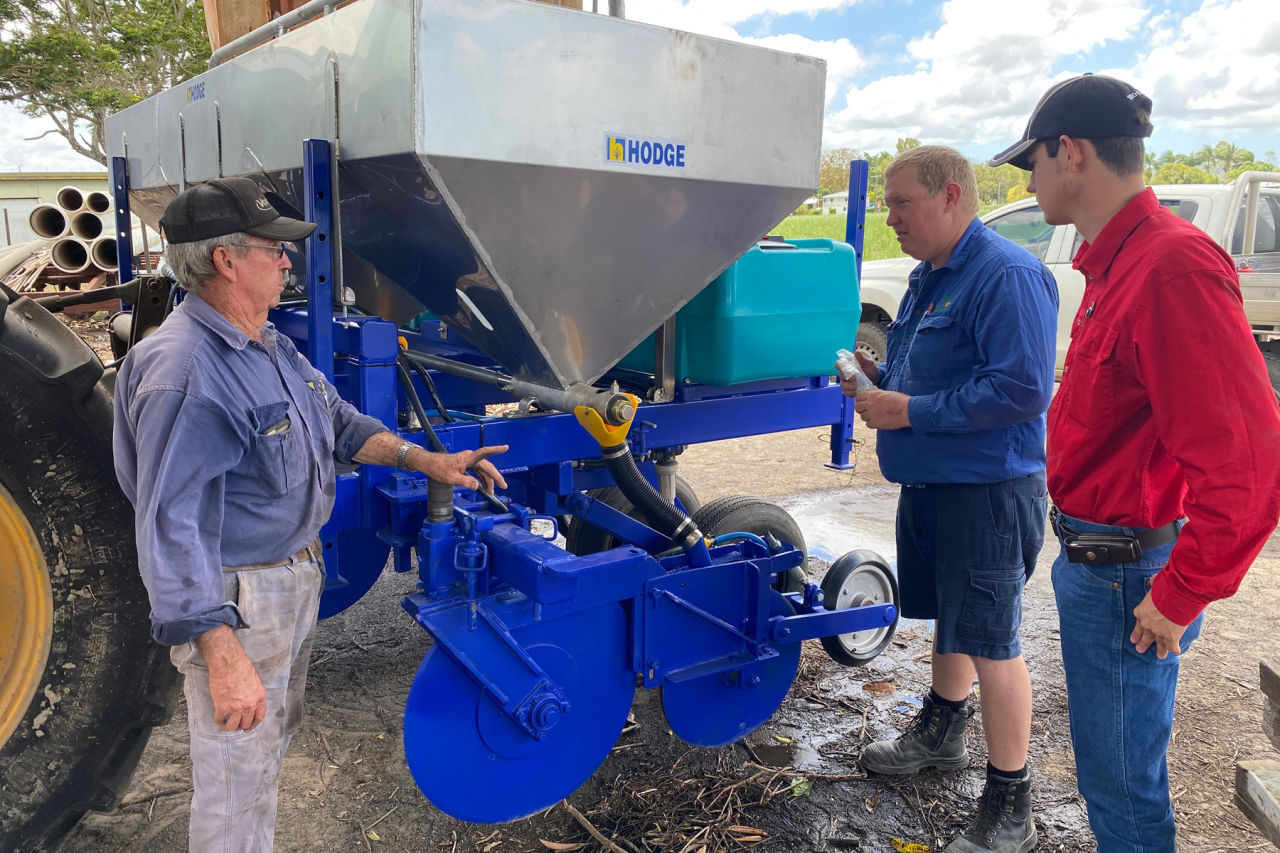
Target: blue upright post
{"type": "Point", "coordinates": [855, 231]}
{"type": "Point", "coordinates": [855, 227]}
{"type": "Point", "coordinates": [317, 183]}
{"type": "Point", "coordinates": [124, 228]}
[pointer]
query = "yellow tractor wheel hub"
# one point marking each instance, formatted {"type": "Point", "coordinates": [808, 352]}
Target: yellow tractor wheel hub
{"type": "Point", "coordinates": [26, 615]}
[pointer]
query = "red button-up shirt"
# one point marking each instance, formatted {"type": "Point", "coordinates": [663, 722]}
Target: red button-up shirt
{"type": "Point", "coordinates": [1165, 409]}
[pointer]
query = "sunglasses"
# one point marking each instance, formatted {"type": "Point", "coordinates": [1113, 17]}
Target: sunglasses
{"type": "Point", "coordinates": [279, 250]}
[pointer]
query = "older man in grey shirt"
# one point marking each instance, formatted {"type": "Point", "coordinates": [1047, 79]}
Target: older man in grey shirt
{"type": "Point", "coordinates": [225, 439]}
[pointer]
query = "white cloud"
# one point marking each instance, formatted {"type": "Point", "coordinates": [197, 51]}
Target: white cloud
{"type": "Point", "coordinates": [720, 18]}
{"type": "Point", "coordinates": [977, 77]}
{"type": "Point", "coordinates": [1216, 73]}
{"type": "Point", "coordinates": [25, 147]}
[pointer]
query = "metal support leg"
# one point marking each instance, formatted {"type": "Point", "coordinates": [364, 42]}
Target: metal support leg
{"type": "Point", "coordinates": [318, 187]}
{"type": "Point", "coordinates": [124, 228]}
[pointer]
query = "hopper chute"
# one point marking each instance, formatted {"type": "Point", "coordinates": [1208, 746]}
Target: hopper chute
{"type": "Point", "coordinates": [552, 184]}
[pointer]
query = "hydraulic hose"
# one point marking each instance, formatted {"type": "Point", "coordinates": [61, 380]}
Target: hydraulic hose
{"type": "Point", "coordinates": [415, 403]}
{"type": "Point", "coordinates": [432, 390]}
{"type": "Point", "coordinates": [662, 515]}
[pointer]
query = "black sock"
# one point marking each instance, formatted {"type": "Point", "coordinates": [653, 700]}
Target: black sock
{"type": "Point", "coordinates": [1008, 775]}
{"type": "Point", "coordinates": [946, 703]}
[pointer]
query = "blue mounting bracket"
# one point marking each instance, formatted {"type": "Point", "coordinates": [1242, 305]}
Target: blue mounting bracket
{"type": "Point", "coordinates": [471, 631]}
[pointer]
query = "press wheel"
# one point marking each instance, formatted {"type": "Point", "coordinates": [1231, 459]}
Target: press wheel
{"type": "Point", "coordinates": [859, 578]}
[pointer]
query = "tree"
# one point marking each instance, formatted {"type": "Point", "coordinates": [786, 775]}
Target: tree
{"type": "Point", "coordinates": [1181, 173]}
{"type": "Point", "coordinates": [905, 145]}
{"type": "Point", "coordinates": [1256, 165]}
{"type": "Point", "coordinates": [78, 61]}
{"type": "Point", "coordinates": [1017, 193]}
{"type": "Point", "coordinates": [994, 182]}
{"type": "Point", "coordinates": [833, 169]}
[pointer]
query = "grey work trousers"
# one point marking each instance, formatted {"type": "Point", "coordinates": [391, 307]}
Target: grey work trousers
{"type": "Point", "coordinates": [235, 775]}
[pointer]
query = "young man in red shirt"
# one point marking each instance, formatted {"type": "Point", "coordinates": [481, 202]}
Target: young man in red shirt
{"type": "Point", "coordinates": [1170, 455]}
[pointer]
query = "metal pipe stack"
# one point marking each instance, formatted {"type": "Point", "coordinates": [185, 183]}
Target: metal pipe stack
{"type": "Point", "coordinates": [82, 240]}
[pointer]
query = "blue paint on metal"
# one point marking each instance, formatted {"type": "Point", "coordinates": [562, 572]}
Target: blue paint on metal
{"type": "Point", "coordinates": [855, 225]}
{"type": "Point", "coordinates": [317, 187]}
{"type": "Point", "coordinates": [537, 650]}
{"type": "Point", "coordinates": [123, 221]}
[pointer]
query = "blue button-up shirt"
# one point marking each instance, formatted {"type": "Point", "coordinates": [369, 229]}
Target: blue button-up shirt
{"type": "Point", "coordinates": [974, 347]}
{"type": "Point", "coordinates": [225, 447]}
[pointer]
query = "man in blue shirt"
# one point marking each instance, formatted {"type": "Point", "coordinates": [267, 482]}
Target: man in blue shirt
{"type": "Point", "coordinates": [225, 439]}
{"type": "Point", "coordinates": [959, 406]}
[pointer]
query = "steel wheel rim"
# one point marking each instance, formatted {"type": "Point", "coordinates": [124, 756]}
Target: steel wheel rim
{"type": "Point", "coordinates": [26, 599]}
{"type": "Point", "coordinates": [866, 584]}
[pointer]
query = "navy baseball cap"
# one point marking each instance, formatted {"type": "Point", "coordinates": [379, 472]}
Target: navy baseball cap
{"type": "Point", "coordinates": [226, 206]}
{"type": "Point", "coordinates": [1088, 107]}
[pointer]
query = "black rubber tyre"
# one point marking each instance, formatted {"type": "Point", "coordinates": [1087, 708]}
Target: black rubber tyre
{"type": "Point", "coordinates": [858, 578]}
{"type": "Point", "coordinates": [873, 340]}
{"type": "Point", "coordinates": [747, 514]}
{"type": "Point", "coordinates": [582, 538]}
{"type": "Point", "coordinates": [105, 683]}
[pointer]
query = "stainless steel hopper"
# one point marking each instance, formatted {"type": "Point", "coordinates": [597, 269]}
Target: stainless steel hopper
{"type": "Point", "coordinates": [550, 183]}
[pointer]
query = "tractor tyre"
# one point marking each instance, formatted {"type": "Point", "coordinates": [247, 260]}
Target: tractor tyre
{"type": "Point", "coordinates": [746, 514]}
{"type": "Point", "coordinates": [81, 682]}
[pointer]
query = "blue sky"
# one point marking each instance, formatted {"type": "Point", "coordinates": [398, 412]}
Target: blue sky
{"type": "Point", "coordinates": [964, 73]}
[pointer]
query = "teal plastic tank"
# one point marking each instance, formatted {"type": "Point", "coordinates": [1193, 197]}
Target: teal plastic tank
{"type": "Point", "coordinates": [780, 310]}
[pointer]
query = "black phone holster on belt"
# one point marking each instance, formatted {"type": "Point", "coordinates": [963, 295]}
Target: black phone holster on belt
{"type": "Point", "coordinates": [1114, 547]}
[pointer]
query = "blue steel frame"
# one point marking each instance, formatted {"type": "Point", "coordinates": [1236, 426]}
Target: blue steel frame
{"type": "Point", "coordinates": [479, 556]}
{"type": "Point", "coordinates": [124, 227]}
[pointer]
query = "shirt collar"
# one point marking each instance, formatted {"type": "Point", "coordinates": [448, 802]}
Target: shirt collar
{"type": "Point", "coordinates": [959, 254]}
{"type": "Point", "coordinates": [1094, 259]}
{"type": "Point", "coordinates": [208, 316]}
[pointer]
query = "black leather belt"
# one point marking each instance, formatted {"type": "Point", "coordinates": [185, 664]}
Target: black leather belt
{"type": "Point", "coordinates": [1145, 537]}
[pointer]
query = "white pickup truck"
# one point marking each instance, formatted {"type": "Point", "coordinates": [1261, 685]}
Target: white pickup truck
{"type": "Point", "coordinates": [1244, 217]}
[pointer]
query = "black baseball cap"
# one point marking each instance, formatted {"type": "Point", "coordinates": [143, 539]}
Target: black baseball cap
{"type": "Point", "coordinates": [225, 206]}
{"type": "Point", "coordinates": [1087, 107]}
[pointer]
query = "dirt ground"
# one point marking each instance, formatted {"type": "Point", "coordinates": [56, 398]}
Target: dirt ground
{"type": "Point", "coordinates": [793, 785]}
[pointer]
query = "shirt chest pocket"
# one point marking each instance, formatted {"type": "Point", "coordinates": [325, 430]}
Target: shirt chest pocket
{"type": "Point", "coordinates": [1092, 377]}
{"type": "Point", "coordinates": [277, 457]}
{"type": "Point", "coordinates": [933, 347]}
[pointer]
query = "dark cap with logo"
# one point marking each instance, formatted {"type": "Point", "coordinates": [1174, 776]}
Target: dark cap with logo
{"type": "Point", "coordinates": [1087, 107]}
{"type": "Point", "coordinates": [226, 206]}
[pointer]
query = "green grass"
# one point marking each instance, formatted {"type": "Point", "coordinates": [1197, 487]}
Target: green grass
{"type": "Point", "coordinates": [878, 243]}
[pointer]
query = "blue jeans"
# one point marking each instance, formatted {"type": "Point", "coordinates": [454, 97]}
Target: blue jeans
{"type": "Point", "coordinates": [1120, 702]}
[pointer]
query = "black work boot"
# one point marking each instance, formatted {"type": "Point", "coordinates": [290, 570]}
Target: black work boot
{"type": "Point", "coordinates": [1003, 822]}
{"type": "Point", "coordinates": [935, 738]}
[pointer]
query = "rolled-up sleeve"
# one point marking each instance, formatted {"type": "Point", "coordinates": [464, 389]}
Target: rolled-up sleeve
{"type": "Point", "coordinates": [1217, 418]}
{"type": "Point", "coordinates": [1015, 332]}
{"type": "Point", "coordinates": [351, 428]}
{"type": "Point", "coordinates": [176, 480]}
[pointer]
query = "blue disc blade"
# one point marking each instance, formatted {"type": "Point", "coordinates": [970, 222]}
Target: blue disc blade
{"type": "Point", "coordinates": [475, 764]}
{"type": "Point", "coordinates": [717, 709]}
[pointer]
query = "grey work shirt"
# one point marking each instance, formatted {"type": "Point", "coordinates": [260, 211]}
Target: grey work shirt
{"type": "Point", "coordinates": [225, 447]}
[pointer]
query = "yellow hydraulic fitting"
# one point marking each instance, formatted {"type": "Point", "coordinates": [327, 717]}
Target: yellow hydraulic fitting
{"type": "Point", "coordinates": [606, 434]}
